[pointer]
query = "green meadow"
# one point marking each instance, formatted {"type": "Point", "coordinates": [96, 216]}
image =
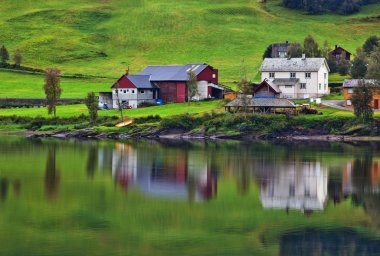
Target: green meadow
{"type": "Point", "coordinates": [104, 37]}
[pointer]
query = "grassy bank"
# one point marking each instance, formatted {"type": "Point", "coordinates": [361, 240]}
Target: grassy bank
{"type": "Point", "coordinates": [104, 37]}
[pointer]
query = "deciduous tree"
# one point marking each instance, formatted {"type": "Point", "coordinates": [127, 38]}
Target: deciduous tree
{"type": "Point", "coordinates": [370, 44]}
{"type": "Point", "coordinates": [52, 89]}
{"type": "Point", "coordinates": [192, 86]}
{"type": "Point", "coordinates": [359, 64]}
{"type": "Point", "coordinates": [311, 48]}
{"type": "Point", "coordinates": [361, 101]}
{"type": "Point", "coordinates": [294, 51]}
{"type": "Point", "coordinates": [92, 104]}
{"type": "Point", "coordinates": [373, 71]}
{"type": "Point", "coordinates": [17, 58]}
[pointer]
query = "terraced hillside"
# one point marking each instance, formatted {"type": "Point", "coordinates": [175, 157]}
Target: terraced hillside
{"type": "Point", "coordinates": [103, 37]}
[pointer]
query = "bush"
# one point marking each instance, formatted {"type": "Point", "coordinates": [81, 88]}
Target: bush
{"type": "Point", "coordinates": [185, 122]}
{"type": "Point", "coordinates": [147, 119]}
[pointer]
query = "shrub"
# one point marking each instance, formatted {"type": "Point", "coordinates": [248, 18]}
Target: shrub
{"type": "Point", "coordinates": [185, 121]}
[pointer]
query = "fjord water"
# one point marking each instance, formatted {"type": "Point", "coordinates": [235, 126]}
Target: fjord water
{"type": "Point", "coordinates": [60, 197]}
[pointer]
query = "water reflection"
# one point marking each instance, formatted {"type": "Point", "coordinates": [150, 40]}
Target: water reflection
{"type": "Point", "coordinates": [328, 242]}
{"type": "Point", "coordinates": [178, 174]}
{"type": "Point", "coordinates": [51, 174]}
{"type": "Point", "coordinates": [301, 185]}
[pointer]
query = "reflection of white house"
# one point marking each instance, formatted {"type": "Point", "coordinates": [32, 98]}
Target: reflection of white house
{"type": "Point", "coordinates": [297, 78]}
{"type": "Point", "coordinates": [296, 186]}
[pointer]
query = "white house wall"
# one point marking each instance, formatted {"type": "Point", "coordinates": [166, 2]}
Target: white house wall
{"type": "Point", "coordinates": [312, 83]}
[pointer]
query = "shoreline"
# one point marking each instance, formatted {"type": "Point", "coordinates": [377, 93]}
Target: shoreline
{"type": "Point", "coordinates": [91, 134]}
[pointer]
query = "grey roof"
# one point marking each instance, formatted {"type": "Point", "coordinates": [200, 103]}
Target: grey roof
{"type": "Point", "coordinates": [283, 47]}
{"type": "Point", "coordinates": [285, 81]}
{"type": "Point", "coordinates": [262, 102]}
{"type": "Point", "coordinates": [141, 81]}
{"type": "Point", "coordinates": [172, 73]}
{"type": "Point", "coordinates": [293, 64]}
{"type": "Point", "coordinates": [355, 82]}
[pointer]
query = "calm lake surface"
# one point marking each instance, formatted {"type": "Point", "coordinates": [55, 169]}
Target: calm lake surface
{"type": "Point", "coordinates": [62, 197]}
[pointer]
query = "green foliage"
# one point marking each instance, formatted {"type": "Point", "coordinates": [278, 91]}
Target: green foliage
{"type": "Point", "coordinates": [373, 71]}
{"type": "Point", "coordinates": [358, 69]}
{"type": "Point", "coordinates": [370, 44]}
{"type": "Point", "coordinates": [343, 66]}
{"type": "Point", "coordinates": [361, 101]}
{"type": "Point", "coordinates": [185, 122]}
{"type": "Point", "coordinates": [294, 51]}
{"type": "Point", "coordinates": [310, 47]}
{"type": "Point", "coordinates": [4, 55]}
{"type": "Point", "coordinates": [92, 104]}
{"type": "Point", "coordinates": [17, 58]}
{"type": "Point", "coordinates": [192, 85]}
{"type": "Point", "coordinates": [52, 89]}
{"type": "Point", "coordinates": [147, 119]}
{"type": "Point", "coordinates": [268, 52]}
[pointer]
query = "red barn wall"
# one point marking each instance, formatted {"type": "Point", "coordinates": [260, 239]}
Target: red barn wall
{"type": "Point", "coordinates": [206, 75]}
{"type": "Point", "coordinates": [173, 91]}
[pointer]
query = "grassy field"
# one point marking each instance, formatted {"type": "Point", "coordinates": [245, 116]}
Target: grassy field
{"type": "Point", "coordinates": [28, 85]}
{"type": "Point", "coordinates": [163, 111]}
{"type": "Point", "coordinates": [104, 37]}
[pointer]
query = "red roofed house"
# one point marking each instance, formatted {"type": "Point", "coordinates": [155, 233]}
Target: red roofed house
{"type": "Point", "coordinates": [132, 90]}
{"type": "Point", "coordinates": [338, 53]}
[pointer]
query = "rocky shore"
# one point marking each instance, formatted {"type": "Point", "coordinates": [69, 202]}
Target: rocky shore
{"type": "Point", "coordinates": [179, 134]}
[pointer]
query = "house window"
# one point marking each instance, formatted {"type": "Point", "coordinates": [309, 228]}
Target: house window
{"type": "Point", "coordinates": [213, 75]}
{"type": "Point", "coordinates": [292, 75]}
{"type": "Point", "coordinates": [303, 86]}
{"type": "Point", "coordinates": [142, 91]}
{"type": "Point", "coordinates": [325, 75]}
{"type": "Point", "coordinates": [125, 91]}
{"type": "Point", "coordinates": [349, 103]}
{"type": "Point", "coordinates": [308, 75]}
{"type": "Point", "coordinates": [325, 87]}
{"type": "Point", "coordinates": [350, 90]}
{"type": "Point", "coordinates": [133, 91]}
{"type": "Point", "coordinates": [120, 91]}
{"type": "Point", "coordinates": [271, 75]}
{"type": "Point", "coordinates": [320, 87]}
{"type": "Point", "coordinates": [288, 86]}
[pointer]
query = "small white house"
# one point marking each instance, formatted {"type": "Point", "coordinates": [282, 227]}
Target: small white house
{"type": "Point", "coordinates": [297, 78]}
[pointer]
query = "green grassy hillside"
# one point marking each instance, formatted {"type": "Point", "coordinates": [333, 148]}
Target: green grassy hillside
{"type": "Point", "coordinates": [103, 37]}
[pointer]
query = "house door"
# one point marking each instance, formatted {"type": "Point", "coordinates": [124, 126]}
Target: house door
{"type": "Point", "coordinates": [376, 105]}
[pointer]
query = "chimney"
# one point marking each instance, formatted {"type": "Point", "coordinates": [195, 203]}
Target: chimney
{"type": "Point", "coordinates": [127, 71]}
{"type": "Point", "coordinates": [336, 46]}
{"type": "Point", "coordinates": [303, 56]}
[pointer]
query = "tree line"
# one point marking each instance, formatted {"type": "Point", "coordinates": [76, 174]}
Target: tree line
{"type": "Point", "coordinates": [319, 6]}
{"type": "Point", "coordinates": [4, 57]}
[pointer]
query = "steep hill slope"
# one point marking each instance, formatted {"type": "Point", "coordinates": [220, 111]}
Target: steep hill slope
{"type": "Point", "coordinates": [103, 37]}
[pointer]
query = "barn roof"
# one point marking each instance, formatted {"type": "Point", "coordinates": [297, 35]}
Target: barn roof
{"type": "Point", "coordinates": [141, 81]}
{"type": "Point", "coordinates": [262, 102]}
{"type": "Point", "coordinates": [339, 48]}
{"type": "Point", "coordinates": [348, 83]}
{"type": "Point", "coordinates": [293, 64]}
{"type": "Point", "coordinates": [172, 73]}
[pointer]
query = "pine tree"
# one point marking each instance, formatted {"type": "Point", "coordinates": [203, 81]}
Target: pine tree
{"type": "Point", "coordinates": [4, 55]}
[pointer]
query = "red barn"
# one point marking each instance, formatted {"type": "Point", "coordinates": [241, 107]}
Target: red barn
{"type": "Point", "coordinates": [172, 81]}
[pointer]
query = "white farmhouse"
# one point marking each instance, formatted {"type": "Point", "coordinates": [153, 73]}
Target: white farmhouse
{"type": "Point", "coordinates": [297, 78]}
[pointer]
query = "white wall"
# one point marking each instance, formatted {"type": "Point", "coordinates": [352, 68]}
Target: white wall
{"type": "Point", "coordinates": [312, 83]}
